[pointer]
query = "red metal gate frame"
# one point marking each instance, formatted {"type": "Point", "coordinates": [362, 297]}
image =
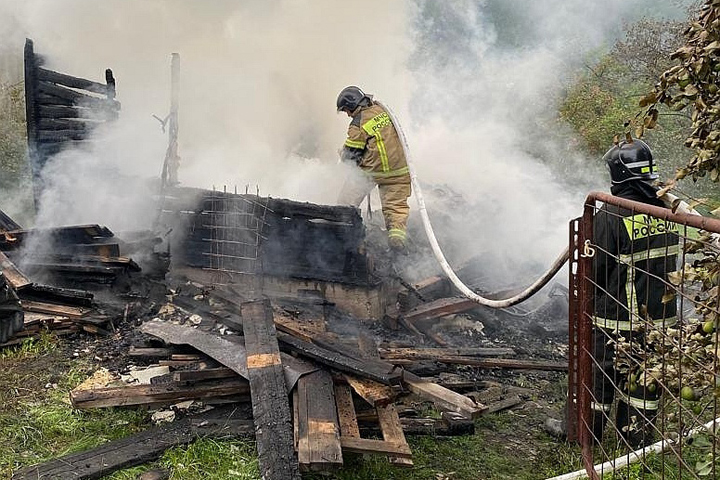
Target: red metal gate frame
{"type": "Point", "coordinates": [581, 307]}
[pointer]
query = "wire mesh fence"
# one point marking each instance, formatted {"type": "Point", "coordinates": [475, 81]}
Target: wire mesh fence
{"type": "Point", "coordinates": [644, 383]}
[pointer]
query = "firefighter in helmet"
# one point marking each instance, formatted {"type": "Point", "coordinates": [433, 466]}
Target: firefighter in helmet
{"type": "Point", "coordinates": [635, 252]}
{"type": "Point", "coordinates": [373, 144]}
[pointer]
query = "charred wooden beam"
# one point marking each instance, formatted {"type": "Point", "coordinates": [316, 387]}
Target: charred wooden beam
{"type": "Point", "coordinates": [436, 353]}
{"type": "Point", "coordinates": [237, 389]}
{"type": "Point", "coordinates": [507, 363]}
{"type": "Point", "coordinates": [230, 354]}
{"type": "Point", "coordinates": [439, 308]}
{"type": "Point", "coordinates": [7, 223]}
{"type": "Point", "coordinates": [442, 397]}
{"type": "Point", "coordinates": [134, 450]}
{"type": "Point", "coordinates": [374, 369]}
{"type": "Point", "coordinates": [271, 409]}
{"type": "Point", "coordinates": [58, 124]}
{"type": "Point", "coordinates": [50, 294]}
{"type": "Point", "coordinates": [13, 275]}
{"type": "Point", "coordinates": [72, 82]}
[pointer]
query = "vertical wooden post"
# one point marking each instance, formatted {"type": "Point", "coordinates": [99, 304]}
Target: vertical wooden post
{"type": "Point", "coordinates": [172, 159]}
{"type": "Point", "coordinates": [31, 118]}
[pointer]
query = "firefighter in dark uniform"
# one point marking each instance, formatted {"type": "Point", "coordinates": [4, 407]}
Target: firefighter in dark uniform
{"type": "Point", "coordinates": [373, 144]}
{"type": "Point", "coordinates": [633, 256]}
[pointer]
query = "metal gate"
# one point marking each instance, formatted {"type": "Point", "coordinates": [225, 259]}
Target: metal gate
{"type": "Point", "coordinates": [644, 390]}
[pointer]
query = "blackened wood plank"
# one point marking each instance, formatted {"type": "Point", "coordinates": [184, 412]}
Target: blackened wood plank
{"type": "Point", "coordinates": [7, 223]}
{"type": "Point", "coordinates": [442, 397]}
{"type": "Point", "coordinates": [230, 354]}
{"type": "Point", "coordinates": [346, 411]}
{"type": "Point", "coordinates": [64, 111]}
{"type": "Point", "coordinates": [53, 124]}
{"type": "Point", "coordinates": [319, 446]}
{"type": "Point", "coordinates": [199, 375]}
{"type": "Point", "coordinates": [374, 369]}
{"type": "Point", "coordinates": [50, 136]}
{"type": "Point", "coordinates": [435, 353]}
{"type": "Point", "coordinates": [13, 275]}
{"type": "Point", "coordinates": [135, 450]}
{"type": "Point", "coordinates": [72, 82]}
{"type": "Point", "coordinates": [77, 98]}
{"type": "Point", "coordinates": [64, 310]}
{"type": "Point", "coordinates": [439, 308]}
{"type": "Point", "coordinates": [271, 408]}
{"type": "Point", "coordinates": [508, 363]}
{"type": "Point", "coordinates": [158, 394]}
{"type": "Point", "coordinates": [392, 432]}
{"type": "Point", "coordinates": [127, 452]}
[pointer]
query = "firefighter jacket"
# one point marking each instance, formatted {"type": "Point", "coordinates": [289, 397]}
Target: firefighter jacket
{"type": "Point", "coordinates": [374, 145]}
{"type": "Point", "coordinates": [633, 256]}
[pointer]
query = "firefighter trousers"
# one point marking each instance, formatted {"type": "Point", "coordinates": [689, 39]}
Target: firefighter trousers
{"type": "Point", "coordinates": [637, 404]}
{"type": "Point", "coordinates": [394, 194]}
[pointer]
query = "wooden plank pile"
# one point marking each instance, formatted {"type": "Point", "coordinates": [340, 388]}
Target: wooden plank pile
{"type": "Point", "coordinates": [84, 254]}
{"type": "Point", "coordinates": [314, 400]}
{"type": "Point", "coordinates": [433, 298]}
{"type": "Point", "coordinates": [69, 255]}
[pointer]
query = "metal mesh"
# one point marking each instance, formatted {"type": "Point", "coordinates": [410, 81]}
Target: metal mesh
{"type": "Point", "coordinates": [644, 382]}
{"type": "Point", "coordinates": [235, 223]}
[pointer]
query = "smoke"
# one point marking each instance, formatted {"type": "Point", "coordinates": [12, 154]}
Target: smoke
{"type": "Point", "coordinates": [474, 82]}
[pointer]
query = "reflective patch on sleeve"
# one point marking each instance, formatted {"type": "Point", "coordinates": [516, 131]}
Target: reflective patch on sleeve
{"type": "Point", "coordinates": [354, 144]}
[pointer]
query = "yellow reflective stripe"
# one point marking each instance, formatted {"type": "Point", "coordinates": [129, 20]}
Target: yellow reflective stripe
{"type": "Point", "coordinates": [650, 254]}
{"type": "Point", "coordinates": [640, 403]}
{"type": "Point", "coordinates": [641, 226]}
{"type": "Point", "coordinates": [383, 153]}
{"type": "Point", "coordinates": [397, 233]}
{"type": "Point", "coordinates": [600, 407]}
{"type": "Point", "coordinates": [392, 173]}
{"type": "Point", "coordinates": [354, 144]}
{"type": "Point", "coordinates": [626, 325]}
{"type": "Point", "coordinates": [373, 127]}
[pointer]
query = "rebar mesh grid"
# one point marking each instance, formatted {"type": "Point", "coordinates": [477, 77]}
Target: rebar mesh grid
{"type": "Point", "coordinates": [235, 222]}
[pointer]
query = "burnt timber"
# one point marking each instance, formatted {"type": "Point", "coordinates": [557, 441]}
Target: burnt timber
{"type": "Point", "coordinates": [61, 110]}
{"type": "Point", "coordinates": [271, 408]}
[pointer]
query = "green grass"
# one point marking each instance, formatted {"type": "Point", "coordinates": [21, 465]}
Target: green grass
{"type": "Point", "coordinates": [204, 459]}
{"type": "Point", "coordinates": [37, 422]}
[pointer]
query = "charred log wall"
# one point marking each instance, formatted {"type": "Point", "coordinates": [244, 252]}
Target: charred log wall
{"type": "Point", "coordinates": [248, 234]}
{"type": "Point", "coordinates": [61, 110]}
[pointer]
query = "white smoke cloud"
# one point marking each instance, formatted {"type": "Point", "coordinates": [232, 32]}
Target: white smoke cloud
{"type": "Point", "coordinates": [474, 83]}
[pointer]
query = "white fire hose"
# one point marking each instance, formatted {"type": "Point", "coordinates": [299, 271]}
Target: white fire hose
{"type": "Point", "coordinates": [464, 289]}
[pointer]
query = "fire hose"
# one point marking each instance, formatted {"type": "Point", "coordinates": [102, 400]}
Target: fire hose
{"type": "Point", "coordinates": [440, 257]}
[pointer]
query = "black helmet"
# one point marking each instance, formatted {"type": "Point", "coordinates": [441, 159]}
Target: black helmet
{"type": "Point", "coordinates": [350, 97]}
{"type": "Point", "coordinates": [631, 160]}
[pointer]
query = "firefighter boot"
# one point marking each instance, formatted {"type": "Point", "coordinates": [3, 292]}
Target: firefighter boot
{"type": "Point", "coordinates": [599, 419]}
{"type": "Point", "coordinates": [635, 425]}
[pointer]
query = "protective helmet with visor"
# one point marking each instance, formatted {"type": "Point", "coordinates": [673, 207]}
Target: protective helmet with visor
{"type": "Point", "coordinates": [350, 98]}
{"type": "Point", "coordinates": [631, 160]}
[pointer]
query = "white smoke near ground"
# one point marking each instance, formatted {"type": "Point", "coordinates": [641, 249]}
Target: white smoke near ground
{"type": "Point", "coordinates": [474, 82]}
